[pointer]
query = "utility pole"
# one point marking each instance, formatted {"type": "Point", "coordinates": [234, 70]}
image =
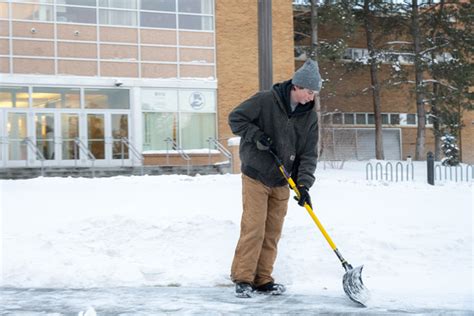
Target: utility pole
{"type": "Point", "coordinates": [265, 55]}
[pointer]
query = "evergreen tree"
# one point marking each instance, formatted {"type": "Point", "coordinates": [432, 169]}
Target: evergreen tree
{"type": "Point", "coordinates": [450, 150]}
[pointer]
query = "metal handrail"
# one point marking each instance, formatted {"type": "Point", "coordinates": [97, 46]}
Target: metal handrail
{"type": "Point", "coordinates": [28, 142]}
{"type": "Point", "coordinates": [78, 144]}
{"type": "Point", "coordinates": [180, 150]}
{"type": "Point", "coordinates": [221, 148]}
{"type": "Point", "coordinates": [124, 141]}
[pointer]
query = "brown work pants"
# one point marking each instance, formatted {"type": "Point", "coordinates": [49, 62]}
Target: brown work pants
{"type": "Point", "coordinates": [264, 210]}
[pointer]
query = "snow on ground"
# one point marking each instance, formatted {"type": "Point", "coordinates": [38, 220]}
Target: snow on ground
{"type": "Point", "coordinates": [415, 240]}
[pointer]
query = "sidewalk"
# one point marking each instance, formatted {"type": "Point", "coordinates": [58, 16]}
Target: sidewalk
{"type": "Point", "coordinates": [178, 301]}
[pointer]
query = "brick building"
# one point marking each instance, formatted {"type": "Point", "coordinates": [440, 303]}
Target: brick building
{"type": "Point", "coordinates": [80, 77]}
{"type": "Point", "coordinates": [347, 108]}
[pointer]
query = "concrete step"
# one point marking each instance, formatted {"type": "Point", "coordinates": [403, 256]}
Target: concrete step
{"type": "Point", "coordinates": [87, 172]}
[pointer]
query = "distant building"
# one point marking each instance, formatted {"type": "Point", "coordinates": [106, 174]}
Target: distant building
{"type": "Point", "coordinates": [347, 108]}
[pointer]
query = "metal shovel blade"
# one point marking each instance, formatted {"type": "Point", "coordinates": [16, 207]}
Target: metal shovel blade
{"type": "Point", "coordinates": [354, 287]}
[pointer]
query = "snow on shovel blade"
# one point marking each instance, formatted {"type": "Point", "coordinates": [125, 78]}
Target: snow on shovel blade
{"type": "Point", "coordinates": [354, 287]}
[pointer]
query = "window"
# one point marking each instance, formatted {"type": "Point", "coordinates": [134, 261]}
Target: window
{"type": "Point", "coordinates": [158, 126]}
{"type": "Point", "coordinates": [106, 99]}
{"type": "Point", "coordinates": [411, 119]}
{"type": "Point", "coordinates": [88, 3]}
{"type": "Point", "coordinates": [360, 119]}
{"type": "Point", "coordinates": [161, 20]}
{"type": "Point", "coordinates": [195, 22]}
{"type": "Point", "coordinates": [66, 98]}
{"type": "Point", "coordinates": [190, 123]}
{"type": "Point", "coordinates": [122, 4]}
{"type": "Point", "coordinates": [196, 128]}
{"type": "Point", "coordinates": [195, 6]}
{"type": "Point", "coordinates": [117, 17]}
{"type": "Point", "coordinates": [76, 15]}
{"type": "Point", "coordinates": [32, 12]}
{"type": "Point", "coordinates": [348, 118]}
{"type": "Point", "coordinates": [327, 119]}
{"type": "Point", "coordinates": [395, 119]}
{"type": "Point", "coordinates": [14, 97]}
{"type": "Point", "coordinates": [337, 118]}
{"type": "Point", "coordinates": [370, 118]}
{"type": "Point", "coordinates": [158, 5]}
{"type": "Point", "coordinates": [385, 119]}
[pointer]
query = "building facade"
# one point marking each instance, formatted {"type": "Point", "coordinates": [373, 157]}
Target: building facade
{"type": "Point", "coordinates": [347, 108]}
{"type": "Point", "coordinates": [81, 77]}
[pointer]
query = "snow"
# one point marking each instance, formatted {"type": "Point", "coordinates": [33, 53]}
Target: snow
{"type": "Point", "coordinates": [414, 240]}
{"type": "Point", "coordinates": [233, 141]}
{"type": "Point", "coordinates": [187, 151]}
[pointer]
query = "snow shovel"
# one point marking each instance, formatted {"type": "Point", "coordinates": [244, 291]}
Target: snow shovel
{"type": "Point", "coordinates": [352, 279]}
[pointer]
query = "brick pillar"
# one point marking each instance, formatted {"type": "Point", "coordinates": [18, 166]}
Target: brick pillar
{"type": "Point", "coordinates": [234, 145]}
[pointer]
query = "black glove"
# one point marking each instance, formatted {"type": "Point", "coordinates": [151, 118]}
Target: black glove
{"type": "Point", "coordinates": [264, 142]}
{"type": "Point", "coordinates": [304, 196]}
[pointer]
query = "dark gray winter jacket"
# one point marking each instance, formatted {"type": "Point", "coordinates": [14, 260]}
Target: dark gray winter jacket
{"type": "Point", "coordinates": [294, 135]}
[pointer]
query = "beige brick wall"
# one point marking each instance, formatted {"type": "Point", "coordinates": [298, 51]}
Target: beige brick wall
{"type": "Point", "coordinates": [237, 52]}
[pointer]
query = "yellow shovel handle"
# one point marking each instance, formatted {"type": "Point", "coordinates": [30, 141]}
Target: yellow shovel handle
{"type": "Point", "coordinates": [309, 209]}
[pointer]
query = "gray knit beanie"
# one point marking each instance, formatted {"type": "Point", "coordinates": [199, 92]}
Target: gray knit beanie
{"type": "Point", "coordinates": [308, 76]}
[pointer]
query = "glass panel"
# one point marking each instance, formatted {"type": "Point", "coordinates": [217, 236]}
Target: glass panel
{"type": "Point", "coordinates": [337, 118]}
{"type": "Point", "coordinates": [384, 118]}
{"type": "Point", "coordinates": [14, 97]}
{"type": "Point", "coordinates": [195, 6]}
{"type": "Point", "coordinates": [395, 119]}
{"type": "Point", "coordinates": [195, 22]}
{"type": "Point", "coordinates": [69, 131]}
{"type": "Point", "coordinates": [156, 128]}
{"type": "Point", "coordinates": [371, 118]}
{"type": "Point", "coordinates": [163, 20]}
{"type": "Point", "coordinates": [119, 130]}
{"type": "Point", "coordinates": [360, 119]}
{"type": "Point", "coordinates": [197, 101]}
{"type": "Point", "coordinates": [16, 129]}
{"type": "Point", "coordinates": [158, 5]}
{"type": "Point", "coordinates": [123, 4]}
{"type": "Point", "coordinates": [159, 100]}
{"type": "Point", "coordinates": [66, 98]}
{"type": "Point", "coordinates": [117, 17]}
{"type": "Point", "coordinates": [76, 15]}
{"type": "Point", "coordinates": [96, 135]}
{"type": "Point", "coordinates": [33, 1]}
{"type": "Point", "coordinates": [107, 98]}
{"type": "Point", "coordinates": [411, 119]}
{"type": "Point", "coordinates": [3, 10]}
{"type": "Point", "coordinates": [45, 134]}
{"type": "Point", "coordinates": [196, 129]}
{"type": "Point", "coordinates": [348, 118]}
{"type": "Point", "coordinates": [89, 3]}
{"type": "Point", "coordinates": [327, 118]}
{"type": "Point", "coordinates": [32, 12]}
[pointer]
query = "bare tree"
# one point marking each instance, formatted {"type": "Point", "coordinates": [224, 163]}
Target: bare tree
{"type": "Point", "coordinates": [419, 88]}
{"type": "Point", "coordinates": [375, 85]}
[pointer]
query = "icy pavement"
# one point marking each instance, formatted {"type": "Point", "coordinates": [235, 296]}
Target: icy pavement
{"type": "Point", "coordinates": [181, 300]}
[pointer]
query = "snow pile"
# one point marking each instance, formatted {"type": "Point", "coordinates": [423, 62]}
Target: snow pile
{"type": "Point", "coordinates": [415, 240]}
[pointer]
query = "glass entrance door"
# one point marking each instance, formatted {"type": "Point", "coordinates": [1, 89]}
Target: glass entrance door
{"type": "Point", "coordinates": [16, 134]}
{"type": "Point", "coordinates": [2, 140]}
{"type": "Point", "coordinates": [45, 130]}
{"type": "Point", "coordinates": [96, 135]}
{"type": "Point", "coordinates": [119, 126]}
{"type": "Point", "coordinates": [69, 132]}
